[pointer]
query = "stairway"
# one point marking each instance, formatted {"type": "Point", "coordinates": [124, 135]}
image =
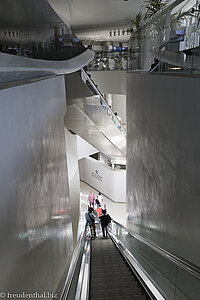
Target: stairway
{"type": "Point", "coordinates": [110, 276]}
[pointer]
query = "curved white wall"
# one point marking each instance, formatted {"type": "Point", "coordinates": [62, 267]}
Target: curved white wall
{"type": "Point", "coordinates": [111, 183]}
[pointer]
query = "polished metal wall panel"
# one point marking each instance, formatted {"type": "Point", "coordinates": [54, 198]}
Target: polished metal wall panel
{"type": "Point", "coordinates": [74, 182]}
{"type": "Point", "coordinates": [110, 82]}
{"type": "Point", "coordinates": [35, 213]}
{"type": "Point", "coordinates": [163, 163]}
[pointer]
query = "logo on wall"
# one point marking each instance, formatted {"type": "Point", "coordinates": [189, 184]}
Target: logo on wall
{"type": "Point", "coordinates": [96, 175]}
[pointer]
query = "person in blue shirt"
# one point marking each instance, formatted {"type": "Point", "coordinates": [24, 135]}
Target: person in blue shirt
{"type": "Point", "coordinates": [90, 220]}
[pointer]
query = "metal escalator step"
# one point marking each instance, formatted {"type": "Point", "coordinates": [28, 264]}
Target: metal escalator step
{"type": "Point", "coordinates": [107, 259]}
{"type": "Point", "coordinates": [109, 285]}
{"type": "Point", "coordinates": [103, 297]}
{"type": "Point", "coordinates": [102, 280]}
{"type": "Point", "coordinates": [117, 292]}
{"type": "Point", "coordinates": [110, 268]}
{"type": "Point", "coordinates": [104, 250]}
{"type": "Point", "coordinates": [113, 274]}
{"type": "Point", "coordinates": [107, 263]}
{"type": "Point", "coordinates": [111, 278]}
{"type": "Point", "coordinates": [106, 256]}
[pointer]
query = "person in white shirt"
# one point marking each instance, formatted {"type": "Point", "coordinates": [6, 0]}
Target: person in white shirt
{"type": "Point", "coordinates": [100, 198]}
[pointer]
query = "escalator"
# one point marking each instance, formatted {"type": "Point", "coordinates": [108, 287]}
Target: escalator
{"type": "Point", "coordinates": [89, 115]}
{"type": "Point", "coordinates": [102, 272]}
{"type": "Point", "coordinates": [110, 275]}
{"type": "Point", "coordinates": [128, 266]}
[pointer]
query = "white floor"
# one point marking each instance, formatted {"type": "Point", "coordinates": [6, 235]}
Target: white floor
{"type": "Point", "coordinates": [117, 211]}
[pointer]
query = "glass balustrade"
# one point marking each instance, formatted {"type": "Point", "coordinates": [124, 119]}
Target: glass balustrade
{"type": "Point", "coordinates": [169, 39]}
{"type": "Point", "coordinates": [109, 61]}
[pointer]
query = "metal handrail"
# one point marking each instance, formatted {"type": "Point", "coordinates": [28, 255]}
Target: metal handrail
{"type": "Point", "coordinates": [147, 284]}
{"type": "Point", "coordinates": [108, 109]}
{"type": "Point", "coordinates": [193, 269]}
{"type": "Point", "coordinates": [72, 267]}
{"type": "Point", "coordinates": [82, 290]}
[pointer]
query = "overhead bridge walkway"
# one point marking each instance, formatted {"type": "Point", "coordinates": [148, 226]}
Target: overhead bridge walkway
{"type": "Point", "coordinates": [126, 266]}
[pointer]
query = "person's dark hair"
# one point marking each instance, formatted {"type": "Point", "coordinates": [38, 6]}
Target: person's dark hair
{"type": "Point", "coordinates": [115, 113]}
{"type": "Point", "coordinates": [99, 193]}
{"type": "Point", "coordinates": [104, 211]}
{"type": "Point", "coordinates": [90, 209]}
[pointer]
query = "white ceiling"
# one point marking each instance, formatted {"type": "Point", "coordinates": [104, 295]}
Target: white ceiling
{"type": "Point", "coordinates": [93, 19]}
{"type": "Point", "coordinates": [102, 13]}
{"type": "Point", "coordinates": [101, 35]}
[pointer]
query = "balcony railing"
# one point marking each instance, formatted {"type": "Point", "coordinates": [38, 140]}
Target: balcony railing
{"type": "Point", "coordinates": [109, 61]}
{"type": "Point", "coordinates": [171, 37]}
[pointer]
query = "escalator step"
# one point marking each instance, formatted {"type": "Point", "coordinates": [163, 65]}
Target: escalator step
{"type": "Point", "coordinates": [107, 256]}
{"type": "Point", "coordinates": [110, 278]}
{"type": "Point", "coordinates": [110, 269]}
{"type": "Point", "coordinates": [107, 265]}
{"type": "Point", "coordinates": [117, 292]}
{"type": "Point", "coordinates": [103, 297]}
{"type": "Point", "coordinates": [109, 285]}
{"type": "Point", "coordinates": [113, 274]}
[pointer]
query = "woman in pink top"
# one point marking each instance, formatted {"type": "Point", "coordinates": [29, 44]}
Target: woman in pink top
{"type": "Point", "coordinates": [91, 199]}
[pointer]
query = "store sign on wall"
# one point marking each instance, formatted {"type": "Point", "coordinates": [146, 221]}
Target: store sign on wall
{"type": "Point", "coordinates": [96, 175]}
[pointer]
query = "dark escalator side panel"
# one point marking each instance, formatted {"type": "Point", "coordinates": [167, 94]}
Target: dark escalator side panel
{"type": "Point", "coordinates": [110, 275]}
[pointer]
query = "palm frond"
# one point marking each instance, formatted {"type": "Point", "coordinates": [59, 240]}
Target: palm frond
{"type": "Point", "coordinates": [177, 18]}
{"type": "Point", "coordinates": [153, 6]}
{"type": "Point", "coordinates": [137, 21]}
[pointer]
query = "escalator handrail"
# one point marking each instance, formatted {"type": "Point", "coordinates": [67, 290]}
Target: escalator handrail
{"type": "Point", "coordinates": [114, 118]}
{"type": "Point", "coordinates": [191, 268]}
{"type": "Point", "coordinates": [82, 290]}
{"type": "Point", "coordinates": [147, 284]}
{"type": "Point", "coordinates": [72, 267]}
